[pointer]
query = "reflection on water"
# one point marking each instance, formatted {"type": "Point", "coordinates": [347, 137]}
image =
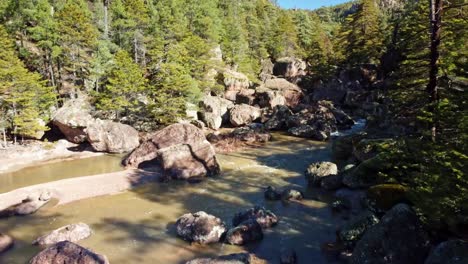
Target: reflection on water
{"type": "Point", "coordinates": [137, 226]}
{"type": "Point", "coordinates": [58, 171]}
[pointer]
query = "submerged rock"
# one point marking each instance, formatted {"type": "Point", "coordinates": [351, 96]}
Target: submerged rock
{"type": "Point", "coordinates": [288, 256]}
{"type": "Point", "coordinates": [111, 137]}
{"type": "Point", "coordinates": [399, 238]}
{"type": "Point", "coordinates": [29, 205]}
{"type": "Point", "coordinates": [200, 227]}
{"type": "Point", "coordinates": [182, 150]}
{"type": "Point", "coordinates": [66, 252]}
{"type": "Point", "coordinates": [6, 242]}
{"type": "Point", "coordinates": [332, 182]}
{"type": "Point", "coordinates": [244, 233]}
{"type": "Point", "coordinates": [449, 252]}
{"type": "Point", "coordinates": [318, 170]}
{"type": "Point", "coordinates": [72, 233]}
{"type": "Point", "coordinates": [264, 217]}
{"type": "Point", "coordinates": [292, 195]}
{"type": "Point", "coordinates": [271, 194]}
{"type": "Point", "coordinates": [240, 258]}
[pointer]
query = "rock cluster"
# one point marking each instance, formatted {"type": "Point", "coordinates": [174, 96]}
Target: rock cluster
{"type": "Point", "coordinates": [200, 227]}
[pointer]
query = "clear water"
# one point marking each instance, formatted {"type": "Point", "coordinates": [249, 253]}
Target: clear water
{"type": "Point", "coordinates": [138, 226]}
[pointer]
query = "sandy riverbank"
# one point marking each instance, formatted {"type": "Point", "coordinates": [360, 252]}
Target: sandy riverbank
{"type": "Point", "coordinates": [70, 190]}
{"type": "Point", "coordinates": [36, 153]}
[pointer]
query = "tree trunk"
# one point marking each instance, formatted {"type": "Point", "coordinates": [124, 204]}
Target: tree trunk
{"type": "Point", "coordinates": [436, 25]}
{"type": "Point", "coordinates": [135, 46]}
{"type": "Point", "coordinates": [4, 138]}
{"type": "Point", "coordinates": [106, 19]}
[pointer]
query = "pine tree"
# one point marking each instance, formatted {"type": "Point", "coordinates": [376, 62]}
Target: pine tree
{"type": "Point", "coordinates": [125, 83]}
{"type": "Point", "coordinates": [23, 95]}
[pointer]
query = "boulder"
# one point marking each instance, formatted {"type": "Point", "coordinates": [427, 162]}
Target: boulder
{"type": "Point", "coordinates": [278, 121]}
{"type": "Point", "coordinates": [245, 232]}
{"type": "Point", "coordinates": [332, 182]}
{"type": "Point", "coordinates": [111, 137]}
{"type": "Point", "coordinates": [215, 111]}
{"type": "Point", "coordinates": [182, 149]}
{"type": "Point", "coordinates": [383, 197]}
{"type": "Point", "coordinates": [269, 98]}
{"type": "Point", "coordinates": [366, 174]}
{"type": "Point", "coordinates": [289, 67]}
{"type": "Point", "coordinates": [72, 233]}
{"type": "Point", "coordinates": [398, 238]}
{"type": "Point", "coordinates": [66, 252]}
{"type": "Point", "coordinates": [200, 227]}
{"type": "Point", "coordinates": [246, 96]}
{"type": "Point", "coordinates": [263, 216]}
{"type": "Point", "coordinates": [292, 195]}
{"type": "Point", "coordinates": [251, 134]}
{"type": "Point", "coordinates": [291, 92]}
{"type": "Point", "coordinates": [306, 131]}
{"type": "Point", "coordinates": [353, 200]}
{"type": "Point", "coordinates": [30, 205]}
{"type": "Point", "coordinates": [234, 83]}
{"type": "Point", "coordinates": [449, 252]}
{"type": "Point", "coordinates": [355, 228]}
{"type": "Point", "coordinates": [6, 243]}
{"type": "Point", "coordinates": [272, 194]}
{"type": "Point", "coordinates": [240, 258]}
{"type": "Point", "coordinates": [72, 118]}
{"type": "Point", "coordinates": [318, 170]}
{"type": "Point", "coordinates": [243, 114]}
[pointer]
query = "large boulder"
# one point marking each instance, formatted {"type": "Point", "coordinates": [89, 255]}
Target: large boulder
{"type": "Point", "coordinates": [72, 233]}
{"type": "Point", "coordinates": [449, 252]}
{"type": "Point", "coordinates": [245, 232]}
{"type": "Point", "coordinates": [263, 216]}
{"type": "Point", "coordinates": [72, 119]}
{"type": "Point", "coordinates": [278, 121]}
{"type": "Point", "coordinates": [200, 227]}
{"type": "Point", "coordinates": [29, 205]}
{"type": "Point", "coordinates": [355, 228]}
{"type": "Point", "coordinates": [215, 111]}
{"type": "Point", "coordinates": [318, 170]}
{"type": "Point", "coordinates": [182, 149]}
{"type": "Point", "coordinates": [243, 114]}
{"type": "Point", "coordinates": [269, 98]}
{"type": "Point", "coordinates": [111, 137]}
{"type": "Point", "coordinates": [240, 258]}
{"type": "Point", "coordinates": [332, 182]}
{"type": "Point", "coordinates": [366, 174]}
{"type": "Point", "coordinates": [66, 252]}
{"type": "Point", "coordinates": [289, 67]}
{"type": "Point", "coordinates": [291, 92]}
{"type": "Point", "coordinates": [6, 242]}
{"type": "Point", "coordinates": [399, 238]}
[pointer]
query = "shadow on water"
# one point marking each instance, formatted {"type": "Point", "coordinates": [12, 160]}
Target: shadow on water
{"type": "Point", "coordinates": [138, 226]}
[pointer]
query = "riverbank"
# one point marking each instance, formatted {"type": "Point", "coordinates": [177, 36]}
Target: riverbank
{"type": "Point", "coordinates": [74, 189]}
{"type": "Point", "coordinates": [36, 153]}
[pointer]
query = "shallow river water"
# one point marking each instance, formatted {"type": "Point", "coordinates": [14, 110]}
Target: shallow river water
{"type": "Point", "coordinates": [138, 226]}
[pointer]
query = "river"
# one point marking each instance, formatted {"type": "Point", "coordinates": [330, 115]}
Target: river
{"type": "Point", "coordinates": [137, 226]}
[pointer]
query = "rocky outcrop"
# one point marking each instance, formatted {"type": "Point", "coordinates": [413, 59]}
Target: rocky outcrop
{"type": "Point", "coordinates": [240, 258]}
{"type": "Point", "coordinates": [289, 67]}
{"type": "Point", "coordinates": [332, 182]}
{"type": "Point", "coordinates": [243, 114]}
{"type": "Point", "coordinates": [73, 118]}
{"type": "Point", "coordinates": [234, 82]}
{"type": "Point", "coordinates": [28, 206]}
{"type": "Point", "coordinates": [245, 232]}
{"type": "Point", "coordinates": [264, 217]}
{"type": "Point", "coordinates": [68, 253]}
{"type": "Point", "coordinates": [200, 228]}
{"type": "Point", "coordinates": [111, 137]}
{"type": "Point", "coordinates": [292, 93]}
{"type": "Point", "coordinates": [215, 111]}
{"type": "Point", "coordinates": [449, 252]}
{"type": "Point", "coordinates": [181, 149]}
{"type": "Point", "coordinates": [399, 238]}
{"type": "Point", "coordinates": [272, 194]}
{"type": "Point", "coordinates": [355, 228]}
{"type": "Point", "coordinates": [318, 170]}
{"type": "Point", "coordinates": [6, 243]}
{"type": "Point", "coordinates": [72, 233]}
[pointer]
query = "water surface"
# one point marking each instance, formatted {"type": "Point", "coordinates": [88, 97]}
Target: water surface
{"type": "Point", "coordinates": [138, 226]}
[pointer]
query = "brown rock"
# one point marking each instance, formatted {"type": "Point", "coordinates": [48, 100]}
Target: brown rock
{"type": "Point", "coordinates": [29, 205]}
{"type": "Point", "coordinates": [200, 227]}
{"type": "Point", "coordinates": [240, 258]}
{"type": "Point", "coordinates": [6, 242]}
{"type": "Point", "coordinates": [72, 233]}
{"type": "Point", "coordinates": [243, 114]}
{"type": "Point", "coordinates": [112, 137]}
{"type": "Point", "coordinates": [68, 253]}
{"type": "Point", "coordinates": [245, 232]}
